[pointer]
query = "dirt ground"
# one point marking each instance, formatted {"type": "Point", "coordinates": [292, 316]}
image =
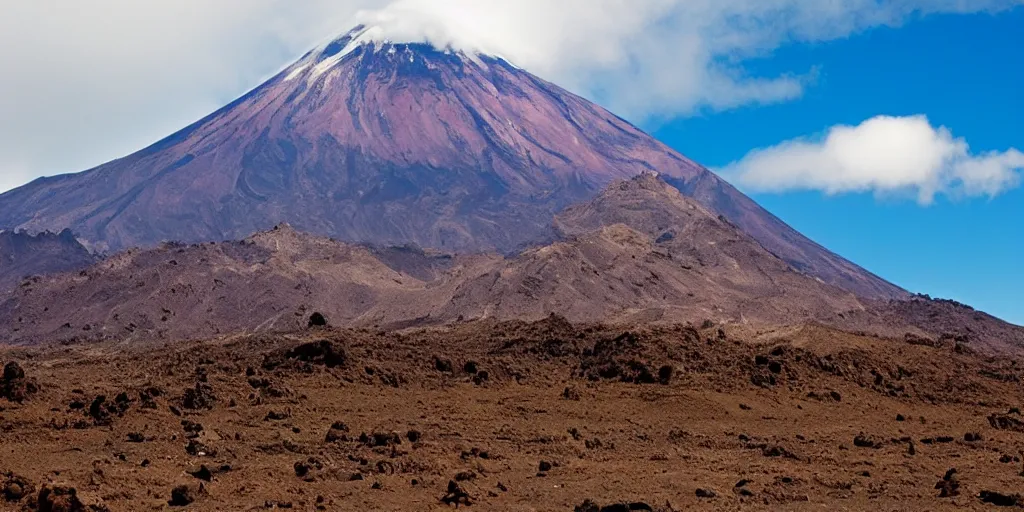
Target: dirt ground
{"type": "Point", "coordinates": [513, 417]}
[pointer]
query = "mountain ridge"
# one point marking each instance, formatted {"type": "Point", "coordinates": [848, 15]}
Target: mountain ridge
{"type": "Point", "coordinates": [602, 267]}
{"type": "Point", "coordinates": [640, 252]}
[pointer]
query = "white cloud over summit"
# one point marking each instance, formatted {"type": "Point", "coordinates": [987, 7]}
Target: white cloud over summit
{"type": "Point", "coordinates": [884, 155]}
{"type": "Point", "coordinates": [651, 58]}
{"type": "Point", "coordinates": [85, 81]}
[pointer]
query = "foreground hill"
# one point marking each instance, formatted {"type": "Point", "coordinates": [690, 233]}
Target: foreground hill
{"type": "Point", "coordinates": [392, 144]}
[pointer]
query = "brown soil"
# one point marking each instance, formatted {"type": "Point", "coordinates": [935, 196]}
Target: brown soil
{"type": "Point", "coordinates": [514, 416]}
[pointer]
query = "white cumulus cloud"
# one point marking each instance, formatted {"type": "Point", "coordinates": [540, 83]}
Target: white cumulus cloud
{"type": "Point", "coordinates": [885, 155]}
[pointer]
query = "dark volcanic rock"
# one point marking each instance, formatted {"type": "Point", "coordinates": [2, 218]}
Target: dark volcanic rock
{"type": "Point", "coordinates": [337, 433]}
{"type": "Point", "coordinates": [867, 441]}
{"type": "Point", "coordinates": [590, 506]}
{"type": "Point", "coordinates": [1001, 500]}
{"type": "Point", "coordinates": [15, 487]}
{"type": "Point", "coordinates": [323, 352]}
{"type": "Point", "coordinates": [199, 397]}
{"type": "Point", "coordinates": [56, 498]}
{"type": "Point", "coordinates": [14, 386]}
{"type": "Point", "coordinates": [317, 320]}
{"type": "Point", "coordinates": [456, 495]}
{"type": "Point", "coordinates": [186, 494]}
{"type": "Point", "coordinates": [1011, 421]}
{"type": "Point", "coordinates": [949, 486]}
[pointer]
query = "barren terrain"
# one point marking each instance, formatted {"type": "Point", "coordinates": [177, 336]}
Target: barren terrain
{"type": "Point", "coordinates": [513, 416]}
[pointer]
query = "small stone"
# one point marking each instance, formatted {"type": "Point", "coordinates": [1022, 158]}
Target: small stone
{"type": "Point", "coordinates": [706, 493]}
{"type": "Point", "coordinates": [317, 320]}
{"type": "Point", "coordinates": [14, 492]}
{"type": "Point", "coordinates": [1001, 500]}
{"type": "Point", "coordinates": [456, 495]}
{"type": "Point", "coordinates": [949, 486]}
{"type": "Point", "coordinates": [203, 473]}
{"type": "Point", "coordinates": [184, 495]}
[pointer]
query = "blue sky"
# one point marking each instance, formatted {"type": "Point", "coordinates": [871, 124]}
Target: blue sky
{"type": "Point", "coordinates": [962, 71]}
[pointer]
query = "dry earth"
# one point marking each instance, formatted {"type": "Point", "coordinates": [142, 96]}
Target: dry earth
{"type": "Point", "coordinates": [512, 416]}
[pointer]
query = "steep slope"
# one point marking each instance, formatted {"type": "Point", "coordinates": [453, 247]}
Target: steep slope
{"type": "Point", "coordinates": [782, 240]}
{"type": "Point", "coordinates": [23, 255]}
{"type": "Point", "coordinates": [391, 144]}
{"type": "Point", "coordinates": [643, 251]}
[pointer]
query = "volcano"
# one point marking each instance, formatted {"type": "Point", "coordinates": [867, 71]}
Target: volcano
{"type": "Point", "coordinates": [386, 143]}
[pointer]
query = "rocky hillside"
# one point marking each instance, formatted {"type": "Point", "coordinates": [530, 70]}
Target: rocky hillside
{"type": "Point", "coordinates": [603, 267]}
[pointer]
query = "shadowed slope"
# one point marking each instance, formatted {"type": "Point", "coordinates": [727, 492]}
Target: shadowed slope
{"type": "Point", "coordinates": [23, 255]}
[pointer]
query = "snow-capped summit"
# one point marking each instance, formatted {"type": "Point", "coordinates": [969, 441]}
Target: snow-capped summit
{"type": "Point", "coordinates": [367, 40]}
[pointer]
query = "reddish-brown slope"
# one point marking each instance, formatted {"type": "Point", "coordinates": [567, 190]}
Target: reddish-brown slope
{"type": "Point", "coordinates": [808, 421]}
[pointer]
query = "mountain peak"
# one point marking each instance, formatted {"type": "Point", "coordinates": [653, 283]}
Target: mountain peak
{"type": "Point", "coordinates": [647, 180]}
{"type": "Point", "coordinates": [645, 203]}
{"type": "Point", "coordinates": [374, 42]}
